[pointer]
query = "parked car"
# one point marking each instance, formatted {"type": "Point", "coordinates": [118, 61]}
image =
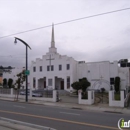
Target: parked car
{"type": "Point", "coordinates": [37, 94]}
{"type": "Point", "coordinates": [23, 92]}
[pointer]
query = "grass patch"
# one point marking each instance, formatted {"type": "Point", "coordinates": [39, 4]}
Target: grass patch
{"type": "Point", "coordinates": [117, 96]}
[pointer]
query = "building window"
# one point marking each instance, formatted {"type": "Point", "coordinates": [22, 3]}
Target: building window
{"type": "Point", "coordinates": [34, 83]}
{"type": "Point", "coordinates": [112, 81]}
{"type": "Point", "coordinates": [52, 67]}
{"type": "Point", "coordinates": [60, 67]}
{"type": "Point", "coordinates": [68, 66]}
{"type": "Point", "coordinates": [49, 82]}
{"type": "Point", "coordinates": [48, 68]}
{"type": "Point", "coordinates": [34, 69]}
{"type": "Point", "coordinates": [68, 82]}
{"type": "Point", "coordinates": [40, 68]}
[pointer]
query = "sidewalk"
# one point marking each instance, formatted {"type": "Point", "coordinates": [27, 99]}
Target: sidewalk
{"type": "Point", "coordinates": [95, 107]}
{"type": "Point", "coordinates": [4, 125]}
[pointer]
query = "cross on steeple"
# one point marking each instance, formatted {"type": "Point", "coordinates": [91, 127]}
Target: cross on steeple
{"type": "Point", "coordinates": [50, 59]}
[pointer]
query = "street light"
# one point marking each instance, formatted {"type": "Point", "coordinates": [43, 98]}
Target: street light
{"type": "Point", "coordinates": [27, 46]}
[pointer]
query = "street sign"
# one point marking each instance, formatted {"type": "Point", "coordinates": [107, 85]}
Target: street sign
{"type": "Point", "coordinates": [27, 72]}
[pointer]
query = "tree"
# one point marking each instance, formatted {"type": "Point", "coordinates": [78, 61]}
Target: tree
{"type": "Point", "coordinates": [20, 80]}
{"type": "Point", "coordinates": [4, 82]}
{"type": "Point", "coordinates": [76, 85]}
{"type": "Point", "coordinates": [117, 84]}
{"type": "Point", "coordinates": [84, 84]}
{"type": "Point", "coordinates": [10, 83]}
{"type": "Point", "coordinates": [81, 84]}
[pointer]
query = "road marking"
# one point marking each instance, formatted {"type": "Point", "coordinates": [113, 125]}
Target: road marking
{"type": "Point", "coordinates": [19, 106]}
{"type": "Point", "coordinates": [70, 113]}
{"type": "Point", "coordinates": [61, 120]}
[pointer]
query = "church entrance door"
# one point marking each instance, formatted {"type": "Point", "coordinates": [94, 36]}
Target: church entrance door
{"type": "Point", "coordinates": [44, 84]}
{"type": "Point", "coordinates": [62, 85]}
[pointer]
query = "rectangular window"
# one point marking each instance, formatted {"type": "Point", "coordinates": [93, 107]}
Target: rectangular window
{"type": "Point", "coordinates": [34, 69]}
{"type": "Point", "coordinates": [68, 66]}
{"type": "Point", "coordinates": [52, 67]}
{"type": "Point", "coordinates": [60, 67]}
{"type": "Point", "coordinates": [40, 68]}
{"type": "Point", "coordinates": [34, 83]}
{"type": "Point", "coordinates": [48, 68]}
{"type": "Point", "coordinates": [49, 82]}
{"type": "Point", "coordinates": [112, 81]}
{"type": "Point", "coordinates": [68, 82]}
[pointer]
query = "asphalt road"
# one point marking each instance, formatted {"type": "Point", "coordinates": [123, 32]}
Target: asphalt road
{"type": "Point", "coordinates": [60, 118]}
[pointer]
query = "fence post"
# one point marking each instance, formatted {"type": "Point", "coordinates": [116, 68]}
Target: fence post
{"type": "Point", "coordinates": [11, 92]}
{"type": "Point", "coordinates": [30, 94]}
{"type": "Point", "coordinates": [54, 95]}
{"type": "Point", "coordinates": [122, 98]}
{"type": "Point", "coordinates": [79, 96]}
{"type": "Point", "coordinates": [110, 97]}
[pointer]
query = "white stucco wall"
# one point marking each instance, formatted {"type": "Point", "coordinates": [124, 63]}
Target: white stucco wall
{"type": "Point", "coordinates": [99, 73]}
{"type": "Point", "coordinates": [115, 103]}
{"type": "Point", "coordinates": [58, 60]}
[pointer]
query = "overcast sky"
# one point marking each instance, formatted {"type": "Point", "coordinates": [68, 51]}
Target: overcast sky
{"type": "Point", "coordinates": [101, 38]}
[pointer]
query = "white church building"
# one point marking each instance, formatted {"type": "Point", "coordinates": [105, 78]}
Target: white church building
{"type": "Point", "coordinates": [56, 71]}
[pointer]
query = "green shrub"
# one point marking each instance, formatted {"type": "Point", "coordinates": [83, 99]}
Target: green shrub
{"type": "Point", "coordinates": [117, 84]}
{"type": "Point", "coordinates": [117, 96]}
{"type": "Point", "coordinates": [84, 95]}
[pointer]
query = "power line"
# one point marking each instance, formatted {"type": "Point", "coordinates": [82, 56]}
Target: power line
{"type": "Point", "coordinates": [67, 22]}
{"type": "Point", "coordinates": [11, 56]}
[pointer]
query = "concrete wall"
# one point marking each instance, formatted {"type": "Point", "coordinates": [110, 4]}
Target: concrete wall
{"type": "Point", "coordinates": [115, 103]}
{"type": "Point", "coordinates": [88, 101]}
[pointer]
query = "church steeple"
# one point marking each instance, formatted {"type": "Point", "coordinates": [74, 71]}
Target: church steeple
{"type": "Point", "coordinates": [52, 37]}
{"type": "Point", "coordinates": [52, 49]}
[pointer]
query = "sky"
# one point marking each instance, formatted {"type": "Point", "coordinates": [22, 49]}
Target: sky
{"type": "Point", "coordinates": [102, 38]}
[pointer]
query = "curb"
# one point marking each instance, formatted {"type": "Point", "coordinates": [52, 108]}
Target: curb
{"type": "Point", "coordinates": [23, 124]}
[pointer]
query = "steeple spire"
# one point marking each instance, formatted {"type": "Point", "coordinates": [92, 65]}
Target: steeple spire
{"type": "Point", "coordinates": [52, 37]}
{"type": "Point", "coordinates": [52, 49]}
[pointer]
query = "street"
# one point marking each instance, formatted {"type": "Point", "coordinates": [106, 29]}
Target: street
{"type": "Point", "coordinates": [60, 118]}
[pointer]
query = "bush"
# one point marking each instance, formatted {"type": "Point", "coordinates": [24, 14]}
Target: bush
{"type": "Point", "coordinates": [117, 84]}
{"type": "Point", "coordinates": [4, 82]}
{"type": "Point", "coordinates": [76, 86]}
{"type": "Point", "coordinates": [84, 95]}
{"type": "Point", "coordinates": [117, 96]}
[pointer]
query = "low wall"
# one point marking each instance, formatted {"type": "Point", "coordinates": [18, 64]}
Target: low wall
{"type": "Point", "coordinates": [115, 103]}
{"type": "Point", "coordinates": [11, 95]}
{"type": "Point", "coordinates": [88, 101]}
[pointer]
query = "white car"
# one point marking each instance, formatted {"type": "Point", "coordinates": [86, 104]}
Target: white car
{"type": "Point", "coordinates": [34, 94]}
{"type": "Point", "coordinates": [24, 92]}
